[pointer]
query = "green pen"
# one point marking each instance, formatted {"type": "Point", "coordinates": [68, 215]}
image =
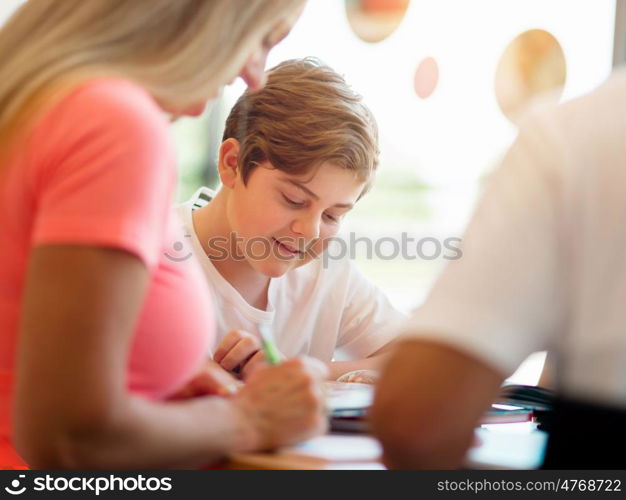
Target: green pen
{"type": "Point", "coordinates": [272, 355]}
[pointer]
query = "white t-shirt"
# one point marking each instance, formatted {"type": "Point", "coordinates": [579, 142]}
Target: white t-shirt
{"type": "Point", "coordinates": [544, 257]}
{"type": "Point", "coordinates": [313, 309]}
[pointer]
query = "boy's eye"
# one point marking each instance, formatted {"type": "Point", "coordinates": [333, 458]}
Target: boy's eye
{"type": "Point", "coordinates": [293, 203]}
{"type": "Point", "coordinates": [331, 217]}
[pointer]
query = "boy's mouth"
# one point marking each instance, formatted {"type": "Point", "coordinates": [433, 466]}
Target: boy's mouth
{"type": "Point", "coordinates": [286, 249]}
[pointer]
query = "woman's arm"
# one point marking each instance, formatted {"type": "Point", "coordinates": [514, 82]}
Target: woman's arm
{"type": "Point", "coordinates": [71, 405]}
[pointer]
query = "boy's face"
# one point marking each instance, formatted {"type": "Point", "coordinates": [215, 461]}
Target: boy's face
{"type": "Point", "coordinates": [283, 221]}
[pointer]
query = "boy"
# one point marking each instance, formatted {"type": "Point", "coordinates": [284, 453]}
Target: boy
{"type": "Point", "coordinates": [295, 158]}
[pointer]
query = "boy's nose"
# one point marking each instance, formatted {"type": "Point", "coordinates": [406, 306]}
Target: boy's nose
{"type": "Point", "coordinates": [307, 227]}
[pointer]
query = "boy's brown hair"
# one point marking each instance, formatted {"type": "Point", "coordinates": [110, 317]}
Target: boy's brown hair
{"type": "Point", "coordinates": [305, 115]}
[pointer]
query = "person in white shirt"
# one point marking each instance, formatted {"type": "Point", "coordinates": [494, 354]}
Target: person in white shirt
{"type": "Point", "coordinates": [543, 268]}
{"type": "Point", "coordinates": [296, 156]}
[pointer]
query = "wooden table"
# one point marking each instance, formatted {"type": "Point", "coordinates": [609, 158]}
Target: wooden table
{"type": "Point", "coordinates": [502, 446]}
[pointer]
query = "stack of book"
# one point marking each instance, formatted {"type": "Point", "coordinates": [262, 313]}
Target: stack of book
{"type": "Point", "coordinates": [348, 404]}
{"type": "Point", "coordinates": [527, 396]}
{"type": "Point", "coordinates": [531, 398]}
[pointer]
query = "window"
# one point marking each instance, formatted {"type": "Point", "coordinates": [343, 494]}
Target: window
{"type": "Point", "coordinates": [428, 72]}
{"type": "Point", "coordinates": [435, 151]}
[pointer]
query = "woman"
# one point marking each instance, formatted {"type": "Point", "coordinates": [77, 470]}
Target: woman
{"type": "Point", "coordinates": [103, 333]}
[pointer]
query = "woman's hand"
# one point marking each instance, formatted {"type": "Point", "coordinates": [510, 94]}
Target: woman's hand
{"type": "Point", "coordinates": [240, 351]}
{"type": "Point", "coordinates": [211, 379]}
{"type": "Point", "coordinates": [283, 404]}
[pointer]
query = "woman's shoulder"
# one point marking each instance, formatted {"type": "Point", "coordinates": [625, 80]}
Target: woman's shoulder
{"type": "Point", "coordinates": [112, 114]}
{"type": "Point", "coordinates": [112, 99]}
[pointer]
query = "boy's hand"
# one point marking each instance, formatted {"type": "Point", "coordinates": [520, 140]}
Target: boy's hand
{"type": "Point", "coordinates": [360, 376]}
{"type": "Point", "coordinates": [240, 350]}
{"type": "Point", "coordinates": [211, 379]}
{"type": "Point", "coordinates": [283, 404]}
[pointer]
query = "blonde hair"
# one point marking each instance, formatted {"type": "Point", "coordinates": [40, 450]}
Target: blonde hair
{"type": "Point", "coordinates": [180, 51]}
{"type": "Point", "coordinates": [305, 115]}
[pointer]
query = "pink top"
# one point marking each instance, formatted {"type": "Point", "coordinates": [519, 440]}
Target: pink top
{"type": "Point", "coordinates": [98, 169]}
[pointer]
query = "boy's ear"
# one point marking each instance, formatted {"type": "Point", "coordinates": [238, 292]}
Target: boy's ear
{"type": "Point", "coordinates": [227, 166]}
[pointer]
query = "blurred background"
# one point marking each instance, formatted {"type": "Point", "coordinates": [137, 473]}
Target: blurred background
{"type": "Point", "coordinates": [447, 81]}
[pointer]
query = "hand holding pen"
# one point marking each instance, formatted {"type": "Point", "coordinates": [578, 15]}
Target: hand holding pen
{"type": "Point", "coordinates": [272, 355]}
{"type": "Point", "coordinates": [283, 404]}
{"type": "Point", "coordinates": [242, 352]}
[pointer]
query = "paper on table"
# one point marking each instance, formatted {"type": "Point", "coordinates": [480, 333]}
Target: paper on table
{"type": "Point", "coordinates": [348, 396]}
{"type": "Point", "coordinates": [341, 448]}
{"type": "Point", "coordinates": [323, 452]}
{"type": "Point", "coordinates": [508, 446]}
